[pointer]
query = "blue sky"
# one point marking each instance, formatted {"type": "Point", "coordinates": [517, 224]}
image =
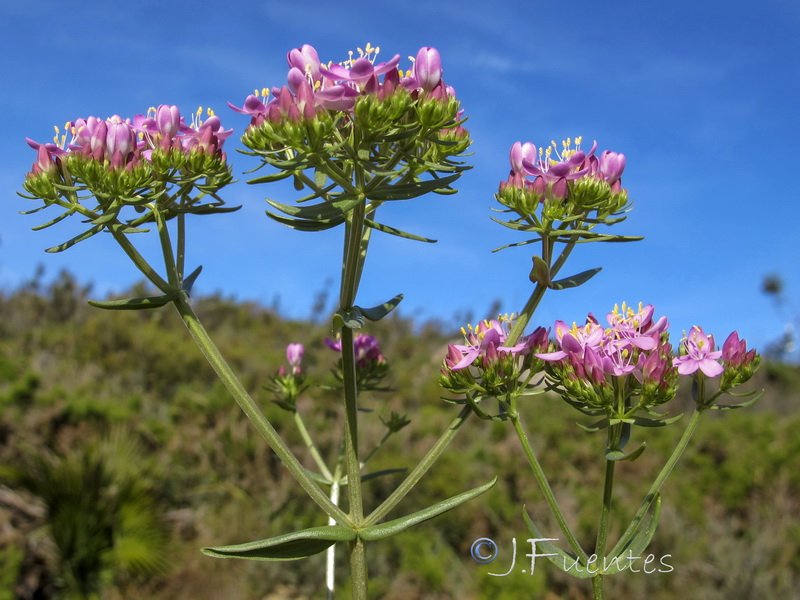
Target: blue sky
{"type": "Point", "coordinates": [702, 97]}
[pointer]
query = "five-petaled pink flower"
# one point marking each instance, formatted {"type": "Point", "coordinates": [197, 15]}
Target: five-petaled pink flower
{"type": "Point", "coordinates": [699, 354]}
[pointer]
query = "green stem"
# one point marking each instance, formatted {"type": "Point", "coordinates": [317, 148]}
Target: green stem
{"type": "Point", "coordinates": [422, 467]}
{"type": "Point", "coordinates": [181, 246]}
{"type": "Point", "coordinates": [312, 447]}
{"type": "Point", "coordinates": [330, 558]}
{"type": "Point", "coordinates": [352, 463]}
{"type": "Point", "coordinates": [652, 493]}
{"type": "Point", "coordinates": [253, 412]}
{"type": "Point", "coordinates": [547, 491]}
{"type": "Point", "coordinates": [377, 447]}
{"type": "Point", "coordinates": [602, 534]}
{"type": "Point", "coordinates": [138, 260]}
{"type": "Point", "coordinates": [527, 312]}
{"type": "Point", "coordinates": [538, 292]}
{"type": "Point", "coordinates": [353, 248]}
{"type": "Point", "coordinates": [166, 249]}
{"type": "Point", "coordinates": [358, 568]}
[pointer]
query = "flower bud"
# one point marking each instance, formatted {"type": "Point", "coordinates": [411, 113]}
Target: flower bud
{"type": "Point", "coordinates": [294, 356]}
{"type": "Point", "coordinates": [428, 68]}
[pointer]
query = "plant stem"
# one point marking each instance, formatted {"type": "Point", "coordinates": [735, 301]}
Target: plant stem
{"type": "Point", "coordinates": [547, 491]}
{"type": "Point", "coordinates": [652, 493]}
{"type": "Point", "coordinates": [525, 315]}
{"type": "Point", "coordinates": [312, 447]}
{"type": "Point", "coordinates": [602, 534]}
{"type": "Point", "coordinates": [253, 412]}
{"type": "Point", "coordinates": [358, 568]}
{"type": "Point", "coordinates": [138, 260]}
{"type": "Point", "coordinates": [422, 467]}
{"type": "Point", "coordinates": [330, 558]}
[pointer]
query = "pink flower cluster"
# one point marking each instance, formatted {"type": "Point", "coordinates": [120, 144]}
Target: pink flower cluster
{"type": "Point", "coordinates": [366, 347]}
{"type": "Point", "coordinates": [486, 345]}
{"type": "Point", "coordinates": [636, 344]}
{"type": "Point", "coordinates": [313, 86]}
{"type": "Point", "coordinates": [124, 144]}
{"type": "Point", "coordinates": [633, 344]}
{"type": "Point", "coordinates": [547, 171]}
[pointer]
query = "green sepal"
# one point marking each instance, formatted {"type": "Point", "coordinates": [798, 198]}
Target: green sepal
{"type": "Point", "coordinates": [78, 238]}
{"type": "Point", "coordinates": [638, 543]}
{"type": "Point", "coordinates": [540, 272]}
{"type": "Point", "coordinates": [188, 282]}
{"type": "Point", "coordinates": [377, 532]}
{"type": "Point", "coordinates": [397, 232]}
{"type": "Point", "coordinates": [575, 280]}
{"type": "Point", "coordinates": [135, 303]}
{"type": "Point", "coordinates": [406, 191]}
{"type": "Point", "coordinates": [291, 546]}
{"type": "Point", "coordinates": [559, 557]}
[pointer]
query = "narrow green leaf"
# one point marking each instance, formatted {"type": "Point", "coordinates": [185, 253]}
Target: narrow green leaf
{"type": "Point", "coordinates": [352, 319]}
{"type": "Point", "coordinates": [657, 422]}
{"type": "Point", "coordinates": [598, 237]}
{"type": "Point", "coordinates": [540, 273]}
{"type": "Point", "coordinates": [271, 177]}
{"type": "Point", "coordinates": [740, 405]}
{"type": "Point", "coordinates": [135, 303]}
{"type": "Point", "coordinates": [106, 217]}
{"type": "Point", "coordinates": [291, 546]}
{"type": "Point", "coordinates": [575, 280]}
{"type": "Point", "coordinates": [54, 221]}
{"type": "Point", "coordinates": [317, 212]}
{"type": "Point", "coordinates": [636, 545]}
{"type": "Point", "coordinates": [377, 532]}
{"type": "Point", "coordinates": [78, 238]}
{"type": "Point", "coordinates": [563, 560]}
{"type": "Point", "coordinates": [397, 232]}
{"type": "Point", "coordinates": [406, 191]}
{"type": "Point", "coordinates": [381, 473]}
{"type": "Point", "coordinates": [188, 282]}
{"type": "Point", "coordinates": [596, 426]}
{"type": "Point", "coordinates": [305, 224]}
{"type": "Point", "coordinates": [376, 313]}
{"type": "Point", "coordinates": [616, 454]}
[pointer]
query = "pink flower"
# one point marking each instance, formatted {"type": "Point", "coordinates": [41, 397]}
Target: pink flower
{"type": "Point", "coordinates": [698, 354]}
{"type": "Point", "coordinates": [734, 352]}
{"type": "Point", "coordinates": [294, 356]}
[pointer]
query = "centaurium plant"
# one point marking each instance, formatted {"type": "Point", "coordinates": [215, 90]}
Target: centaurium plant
{"type": "Point", "coordinates": [351, 137]}
{"type": "Point", "coordinates": [621, 373]}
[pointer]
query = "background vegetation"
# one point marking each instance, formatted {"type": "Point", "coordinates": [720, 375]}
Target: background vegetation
{"type": "Point", "coordinates": [121, 456]}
